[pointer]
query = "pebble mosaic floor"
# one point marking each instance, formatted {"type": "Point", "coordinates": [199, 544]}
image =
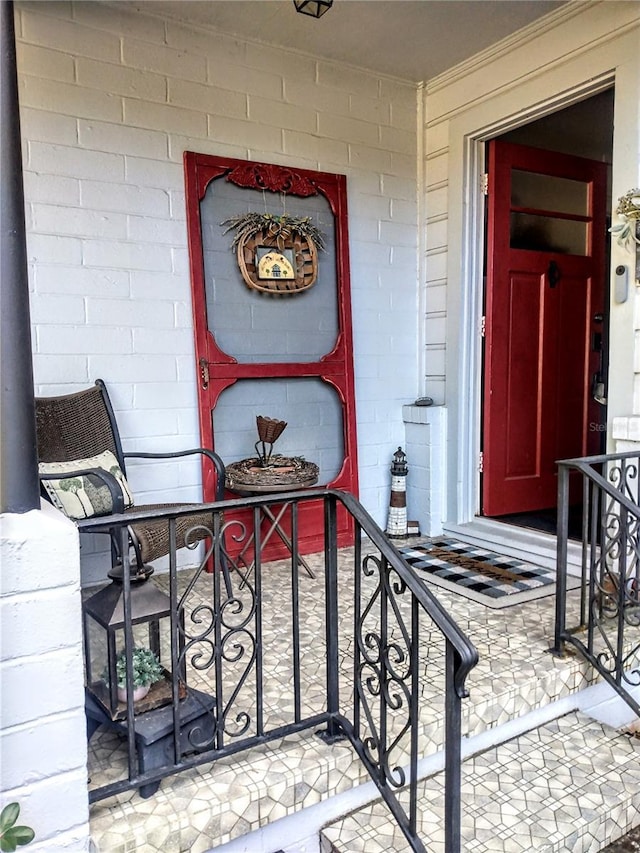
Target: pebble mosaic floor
{"type": "Point", "coordinates": [207, 806]}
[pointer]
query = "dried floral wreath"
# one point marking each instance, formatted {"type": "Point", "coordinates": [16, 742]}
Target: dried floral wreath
{"type": "Point", "coordinates": [628, 210]}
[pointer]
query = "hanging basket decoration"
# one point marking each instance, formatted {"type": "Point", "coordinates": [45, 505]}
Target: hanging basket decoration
{"type": "Point", "coordinates": [276, 254]}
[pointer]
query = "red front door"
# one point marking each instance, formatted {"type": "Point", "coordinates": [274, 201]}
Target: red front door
{"type": "Point", "coordinates": [544, 321]}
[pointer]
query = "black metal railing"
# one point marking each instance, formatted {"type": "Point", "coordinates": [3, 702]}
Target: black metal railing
{"type": "Point", "coordinates": [249, 669]}
{"type": "Point", "coordinates": [605, 620]}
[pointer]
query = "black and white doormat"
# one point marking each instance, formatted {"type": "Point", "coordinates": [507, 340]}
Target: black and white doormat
{"type": "Point", "coordinates": [483, 576]}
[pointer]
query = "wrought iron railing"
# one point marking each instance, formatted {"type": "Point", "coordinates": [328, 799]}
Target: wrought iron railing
{"type": "Point", "coordinates": [251, 670]}
{"type": "Point", "coordinates": [605, 620]}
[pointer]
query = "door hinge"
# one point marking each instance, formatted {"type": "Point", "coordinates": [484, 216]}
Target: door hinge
{"type": "Point", "coordinates": [484, 183]}
{"type": "Point", "coordinates": [483, 326]}
{"type": "Point", "coordinates": [481, 462]}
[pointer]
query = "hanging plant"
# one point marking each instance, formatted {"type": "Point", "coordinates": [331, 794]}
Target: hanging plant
{"type": "Point", "coordinates": [276, 254]}
{"type": "Point", "coordinates": [628, 210]}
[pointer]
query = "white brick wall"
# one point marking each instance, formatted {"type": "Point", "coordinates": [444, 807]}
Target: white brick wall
{"type": "Point", "coordinates": [109, 103]}
{"type": "Point", "coordinates": [43, 748]}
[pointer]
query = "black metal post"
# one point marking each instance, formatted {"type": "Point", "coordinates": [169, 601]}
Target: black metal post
{"type": "Point", "coordinates": [561, 566]}
{"type": "Point", "coordinates": [19, 487]}
{"type": "Point", "coordinates": [453, 756]}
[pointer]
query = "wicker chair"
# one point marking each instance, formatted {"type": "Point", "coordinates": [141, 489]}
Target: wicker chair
{"type": "Point", "coordinates": [82, 425]}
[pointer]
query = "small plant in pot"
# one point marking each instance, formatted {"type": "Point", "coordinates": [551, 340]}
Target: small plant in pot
{"type": "Point", "coordinates": [147, 669]}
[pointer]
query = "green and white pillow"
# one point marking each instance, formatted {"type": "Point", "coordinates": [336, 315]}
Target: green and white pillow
{"type": "Point", "coordinates": [86, 495]}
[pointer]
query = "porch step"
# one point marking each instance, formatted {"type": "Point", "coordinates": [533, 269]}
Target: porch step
{"type": "Point", "coordinates": [570, 785]}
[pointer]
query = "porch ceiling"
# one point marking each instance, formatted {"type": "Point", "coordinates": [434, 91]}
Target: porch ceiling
{"type": "Point", "coordinates": [409, 39]}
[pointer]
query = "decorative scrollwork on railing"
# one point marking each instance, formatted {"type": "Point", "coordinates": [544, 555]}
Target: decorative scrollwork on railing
{"type": "Point", "coordinates": [383, 683]}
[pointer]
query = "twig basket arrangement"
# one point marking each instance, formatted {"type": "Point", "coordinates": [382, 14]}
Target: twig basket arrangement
{"type": "Point", "coordinates": [296, 236]}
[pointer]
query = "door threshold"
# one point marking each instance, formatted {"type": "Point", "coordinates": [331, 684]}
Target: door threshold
{"type": "Point", "coordinates": [522, 543]}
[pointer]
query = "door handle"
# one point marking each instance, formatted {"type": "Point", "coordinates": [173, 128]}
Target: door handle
{"type": "Point", "coordinates": [553, 274]}
{"type": "Point", "coordinates": [598, 390]}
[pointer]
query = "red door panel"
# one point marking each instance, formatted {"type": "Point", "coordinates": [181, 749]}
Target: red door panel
{"type": "Point", "coordinates": [545, 290]}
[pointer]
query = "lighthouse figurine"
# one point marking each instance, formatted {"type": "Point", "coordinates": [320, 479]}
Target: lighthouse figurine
{"type": "Point", "coordinates": [397, 520]}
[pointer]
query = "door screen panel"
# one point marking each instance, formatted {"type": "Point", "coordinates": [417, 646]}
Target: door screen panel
{"type": "Point", "coordinates": [310, 408]}
{"type": "Point", "coordinates": [252, 326]}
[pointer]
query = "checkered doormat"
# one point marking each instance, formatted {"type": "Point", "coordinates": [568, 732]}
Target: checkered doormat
{"type": "Point", "coordinates": [484, 576]}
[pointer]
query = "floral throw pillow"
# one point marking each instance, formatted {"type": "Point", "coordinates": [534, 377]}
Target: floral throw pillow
{"type": "Point", "coordinates": [85, 495]}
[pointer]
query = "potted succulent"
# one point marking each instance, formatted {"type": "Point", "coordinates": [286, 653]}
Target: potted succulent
{"type": "Point", "coordinates": [147, 669]}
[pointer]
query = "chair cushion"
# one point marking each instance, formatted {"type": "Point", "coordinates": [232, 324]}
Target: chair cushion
{"type": "Point", "coordinates": [86, 495]}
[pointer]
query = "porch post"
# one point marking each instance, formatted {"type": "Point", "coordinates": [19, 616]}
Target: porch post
{"type": "Point", "coordinates": [19, 489]}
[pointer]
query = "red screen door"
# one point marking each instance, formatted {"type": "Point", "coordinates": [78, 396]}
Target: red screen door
{"type": "Point", "coordinates": [285, 354]}
{"type": "Point", "coordinates": [544, 322]}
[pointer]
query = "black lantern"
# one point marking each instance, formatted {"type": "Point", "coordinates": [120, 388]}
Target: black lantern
{"type": "Point", "coordinates": [104, 643]}
{"type": "Point", "coordinates": [314, 8]}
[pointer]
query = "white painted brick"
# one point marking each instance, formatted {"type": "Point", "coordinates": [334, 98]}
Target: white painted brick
{"type": "Point", "coordinates": [398, 234]}
{"type": "Point", "coordinates": [246, 133]}
{"type": "Point", "coordinates": [152, 285]}
{"type": "Point", "coordinates": [51, 309]}
{"type": "Point", "coordinates": [83, 339]}
{"type": "Point", "coordinates": [58, 807]}
{"type": "Point", "coordinates": [399, 141]}
{"type": "Point", "coordinates": [52, 189]}
{"type": "Point", "coordinates": [620, 428]}
{"type": "Point", "coordinates": [180, 262]}
{"type": "Point", "coordinates": [56, 615]}
{"type": "Point", "coordinates": [116, 312]}
{"type": "Point", "coordinates": [177, 341]}
{"type": "Point", "coordinates": [288, 116]}
{"type": "Point", "coordinates": [314, 148]}
{"type": "Point", "coordinates": [68, 36]}
{"type": "Point", "coordinates": [75, 162]}
{"type": "Point", "coordinates": [369, 159]}
{"type": "Point", "coordinates": [71, 99]}
{"type": "Point", "coordinates": [164, 117]}
{"type": "Point", "coordinates": [399, 187]}
{"type": "Point", "coordinates": [49, 218]}
{"type": "Point", "coordinates": [64, 368]}
{"type": "Point", "coordinates": [299, 91]}
{"type": "Point", "coordinates": [178, 144]}
{"type": "Point", "coordinates": [59, 670]}
{"type": "Point", "coordinates": [405, 114]}
{"type": "Point", "coordinates": [350, 129]}
{"type": "Point", "coordinates": [295, 64]}
{"type": "Point", "coordinates": [142, 368]}
{"type": "Point", "coordinates": [181, 394]}
{"type": "Point", "coordinates": [42, 62]}
{"type": "Point", "coordinates": [163, 60]}
{"type": "Point", "coordinates": [153, 173]}
{"type": "Point", "coordinates": [437, 234]}
{"type": "Point", "coordinates": [207, 42]}
{"type": "Point", "coordinates": [120, 80]}
{"type": "Point", "coordinates": [144, 229]}
{"type": "Point", "coordinates": [129, 20]}
{"type": "Point", "coordinates": [207, 98]}
{"type": "Point", "coordinates": [102, 136]}
{"type": "Point", "coordinates": [44, 248]}
{"type": "Point", "coordinates": [124, 197]}
{"type": "Point", "coordinates": [127, 256]}
{"type": "Point", "coordinates": [348, 79]}
{"type": "Point", "coordinates": [65, 279]}
{"type": "Point", "coordinates": [373, 110]}
{"type": "Point", "coordinates": [47, 127]}
{"type": "Point", "coordinates": [177, 205]}
{"type": "Point", "coordinates": [403, 164]}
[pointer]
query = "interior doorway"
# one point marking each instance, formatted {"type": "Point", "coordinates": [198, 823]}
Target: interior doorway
{"type": "Point", "coordinates": [546, 345]}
